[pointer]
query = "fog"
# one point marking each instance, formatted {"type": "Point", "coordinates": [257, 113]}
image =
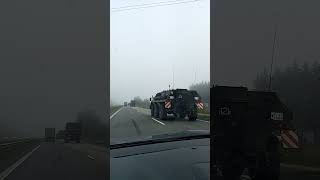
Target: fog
{"type": "Point", "coordinates": [152, 48]}
{"type": "Point", "coordinates": [53, 64]}
{"type": "Point", "coordinates": [147, 42]}
{"type": "Point", "coordinates": [53, 59]}
{"type": "Point", "coordinates": [243, 34]}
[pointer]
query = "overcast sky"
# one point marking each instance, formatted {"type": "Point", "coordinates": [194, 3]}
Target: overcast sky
{"type": "Point", "coordinates": [148, 45]}
{"type": "Point", "coordinates": [53, 59]}
{"type": "Point", "coordinates": [243, 35]}
{"type": "Point", "coordinates": [52, 63]}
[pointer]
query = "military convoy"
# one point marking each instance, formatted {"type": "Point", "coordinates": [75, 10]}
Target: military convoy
{"type": "Point", "coordinates": [248, 128]}
{"type": "Point", "coordinates": [180, 103]}
{"type": "Point", "coordinates": [132, 103]}
{"type": "Point", "coordinates": [72, 132]}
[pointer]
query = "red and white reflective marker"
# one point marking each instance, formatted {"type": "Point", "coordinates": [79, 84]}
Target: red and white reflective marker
{"type": "Point", "coordinates": [199, 105]}
{"type": "Point", "coordinates": [167, 104]}
{"type": "Point", "coordinates": [289, 139]}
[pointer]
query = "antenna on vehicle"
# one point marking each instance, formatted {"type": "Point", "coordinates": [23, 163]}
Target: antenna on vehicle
{"type": "Point", "coordinates": [172, 76]}
{"type": "Point", "coordinates": [195, 75]}
{"type": "Point", "coordinates": [272, 56]}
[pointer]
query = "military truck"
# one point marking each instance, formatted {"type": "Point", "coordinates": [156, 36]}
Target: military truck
{"type": "Point", "coordinates": [132, 103]}
{"type": "Point", "coordinates": [50, 134]}
{"type": "Point", "coordinates": [72, 132]}
{"type": "Point", "coordinates": [248, 130]}
{"type": "Point", "coordinates": [178, 102]}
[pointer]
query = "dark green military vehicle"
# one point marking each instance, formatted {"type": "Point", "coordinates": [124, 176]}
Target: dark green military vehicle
{"type": "Point", "coordinates": [180, 103]}
{"type": "Point", "coordinates": [249, 128]}
{"type": "Point", "coordinates": [72, 132]}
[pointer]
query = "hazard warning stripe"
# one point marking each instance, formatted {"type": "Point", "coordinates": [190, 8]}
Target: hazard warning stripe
{"type": "Point", "coordinates": [288, 142]}
{"type": "Point", "coordinates": [292, 138]}
{"type": "Point", "coordinates": [167, 104]}
{"type": "Point", "coordinates": [289, 139]}
{"type": "Point", "coordinates": [293, 135]}
{"type": "Point", "coordinates": [199, 105]}
{"type": "Point", "coordinates": [285, 144]}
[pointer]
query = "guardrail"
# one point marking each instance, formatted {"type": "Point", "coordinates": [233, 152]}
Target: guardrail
{"type": "Point", "coordinates": [12, 150]}
{"type": "Point", "coordinates": [10, 143]}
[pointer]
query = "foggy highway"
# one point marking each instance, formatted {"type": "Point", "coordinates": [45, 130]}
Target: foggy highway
{"type": "Point", "coordinates": [63, 161]}
{"type": "Point", "coordinates": [134, 121]}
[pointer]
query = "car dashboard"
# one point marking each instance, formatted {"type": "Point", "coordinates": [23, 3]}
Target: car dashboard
{"type": "Point", "coordinates": [184, 159]}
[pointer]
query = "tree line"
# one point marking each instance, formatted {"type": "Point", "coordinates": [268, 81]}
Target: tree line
{"type": "Point", "coordinates": [203, 89]}
{"type": "Point", "coordinates": [298, 85]}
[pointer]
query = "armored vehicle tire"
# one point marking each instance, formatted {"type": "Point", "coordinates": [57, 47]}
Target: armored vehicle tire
{"type": "Point", "coordinates": [274, 158]}
{"type": "Point", "coordinates": [174, 116]}
{"type": "Point", "coordinates": [162, 112]}
{"type": "Point", "coordinates": [182, 115]}
{"type": "Point", "coordinates": [156, 111]}
{"type": "Point", "coordinates": [193, 116]}
{"type": "Point", "coordinates": [152, 110]}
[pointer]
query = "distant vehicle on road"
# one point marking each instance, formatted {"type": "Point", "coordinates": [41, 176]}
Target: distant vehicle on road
{"type": "Point", "coordinates": [60, 134]}
{"type": "Point", "coordinates": [179, 102]}
{"type": "Point", "coordinates": [132, 103]}
{"type": "Point", "coordinates": [125, 103]}
{"type": "Point", "coordinates": [72, 132]}
{"type": "Point", "coordinates": [50, 134]}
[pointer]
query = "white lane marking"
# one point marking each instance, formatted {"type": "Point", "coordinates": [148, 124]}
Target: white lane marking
{"type": "Point", "coordinates": [203, 120]}
{"type": "Point", "coordinates": [6, 172]}
{"type": "Point", "coordinates": [115, 113]}
{"type": "Point", "coordinates": [6, 144]}
{"type": "Point", "coordinates": [90, 157]}
{"type": "Point", "coordinates": [158, 121]}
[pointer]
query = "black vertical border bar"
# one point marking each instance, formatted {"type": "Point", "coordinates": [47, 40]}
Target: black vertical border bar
{"type": "Point", "coordinates": [212, 60]}
{"type": "Point", "coordinates": [107, 75]}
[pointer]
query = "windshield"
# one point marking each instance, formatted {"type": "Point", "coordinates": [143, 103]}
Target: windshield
{"type": "Point", "coordinates": [160, 70]}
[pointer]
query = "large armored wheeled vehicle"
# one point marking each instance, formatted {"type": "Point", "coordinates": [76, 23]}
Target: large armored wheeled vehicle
{"type": "Point", "coordinates": [248, 128]}
{"type": "Point", "coordinates": [72, 132]}
{"type": "Point", "coordinates": [132, 103]}
{"type": "Point", "coordinates": [178, 102]}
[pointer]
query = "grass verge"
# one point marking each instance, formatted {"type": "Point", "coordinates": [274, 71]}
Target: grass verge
{"type": "Point", "coordinates": [11, 153]}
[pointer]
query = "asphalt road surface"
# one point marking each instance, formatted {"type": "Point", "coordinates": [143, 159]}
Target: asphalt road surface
{"type": "Point", "coordinates": [53, 161]}
{"type": "Point", "coordinates": [137, 122]}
